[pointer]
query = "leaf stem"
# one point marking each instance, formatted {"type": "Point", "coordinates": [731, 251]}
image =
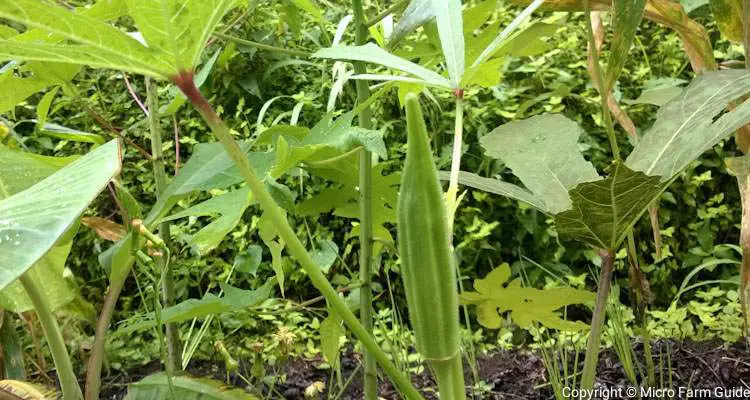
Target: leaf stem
{"type": "Point", "coordinates": [370, 370]}
{"type": "Point", "coordinates": [70, 388]}
{"type": "Point", "coordinates": [458, 134]}
{"type": "Point", "coordinates": [300, 53]}
{"type": "Point", "coordinates": [173, 361]}
{"type": "Point", "coordinates": [597, 322]}
{"type": "Point", "coordinates": [294, 246]}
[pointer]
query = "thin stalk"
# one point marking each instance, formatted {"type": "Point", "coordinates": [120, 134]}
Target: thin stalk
{"type": "Point", "coordinates": [603, 91]}
{"type": "Point", "coordinates": [262, 46]}
{"type": "Point", "coordinates": [173, 361]}
{"type": "Point", "coordinates": [390, 10]}
{"type": "Point", "coordinates": [450, 378]}
{"type": "Point", "coordinates": [745, 225]}
{"type": "Point", "coordinates": [285, 231]}
{"type": "Point", "coordinates": [370, 370]}
{"type": "Point", "coordinates": [456, 160]}
{"type": "Point", "coordinates": [70, 388]}
{"type": "Point", "coordinates": [597, 322]}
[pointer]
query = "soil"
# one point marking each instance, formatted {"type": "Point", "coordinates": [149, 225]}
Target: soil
{"type": "Point", "coordinates": [513, 374]}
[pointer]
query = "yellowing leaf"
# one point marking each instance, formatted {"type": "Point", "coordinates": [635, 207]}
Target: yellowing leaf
{"type": "Point", "coordinates": [104, 228]}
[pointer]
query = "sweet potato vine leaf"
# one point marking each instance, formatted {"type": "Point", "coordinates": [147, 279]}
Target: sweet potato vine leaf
{"type": "Point", "coordinates": [495, 295]}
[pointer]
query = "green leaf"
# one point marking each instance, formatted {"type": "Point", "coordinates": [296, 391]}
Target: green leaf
{"type": "Point", "coordinates": [325, 254]}
{"type": "Point", "coordinates": [42, 108]}
{"type": "Point", "coordinates": [12, 349]}
{"type": "Point", "coordinates": [20, 82]}
{"type": "Point", "coordinates": [249, 261]}
{"type": "Point", "coordinates": [685, 127]}
{"type": "Point", "coordinates": [542, 151]}
{"type": "Point", "coordinates": [658, 92]}
{"type": "Point", "coordinates": [234, 299]}
{"type": "Point", "coordinates": [309, 7]}
{"type": "Point", "coordinates": [626, 16]}
{"type": "Point", "coordinates": [451, 31]}
{"type": "Point", "coordinates": [416, 14]}
{"type": "Point", "coordinates": [496, 186]}
{"type": "Point", "coordinates": [604, 211]}
{"type": "Point", "coordinates": [39, 215]}
{"type": "Point", "coordinates": [65, 133]}
{"type": "Point", "coordinates": [495, 295]}
{"type": "Point", "coordinates": [48, 273]}
{"type": "Point", "coordinates": [376, 55]}
{"type": "Point", "coordinates": [728, 14]}
{"type": "Point", "coordinates": [157, 387]}
{"type": "Point", "coordinates": [331, 332]}
{"type": "Point", "coordinates": [229, 206]}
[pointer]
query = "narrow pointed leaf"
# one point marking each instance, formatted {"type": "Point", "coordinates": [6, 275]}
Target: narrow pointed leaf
{"type": "Point", "coordinates": [626, 16]}
{"type": "Point", "coordinates": [416, 14]}
{"type": "Point", "coordinates": [39, 215]}
{"type": "Point", "coordinates": [543, 152]}
{"type": "Point", "coordinates": [604, 211]}
{"type": "Point", "coordinates": [376, 55]}
{"type": "Point", "coordinates": [685, 127]}
{"type": "Point", "coordinates": [496, 186]}
{"type": "Point", "coordinates": [451, 31]}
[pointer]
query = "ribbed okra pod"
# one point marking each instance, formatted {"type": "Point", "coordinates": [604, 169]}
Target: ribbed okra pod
{"type": "Point", "coordinates": [427, 264]}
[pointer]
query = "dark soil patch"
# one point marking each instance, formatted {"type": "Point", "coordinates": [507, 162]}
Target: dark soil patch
{"type": "Point", "coordinates": [514, 374]}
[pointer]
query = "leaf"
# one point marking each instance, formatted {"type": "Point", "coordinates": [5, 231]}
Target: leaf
{"type": "Point", "coordinates": [12, 349]}
{"type": "Point", "coordinates": [104, 228]}
{"type": "Point", "coordinates": [496, 186]}
{"type": "Point", "coordinates": [234, 299]}
{"type": "Point", "coordinates": [64, 133]}
{"type": "Point", "coordinates": [249, 261]}
{"type": "Point", "coordinates": [416, 14]}
{"type": "Point", "coordinates": [542, 151]}
{"type": "Point", "coordinates": [691, 5]}
{"type": "Point", "coordinates": [376, 55]}
{"type": "Point", "coordinates": [42, 108]}
{"type": "Point", "coordinates": [19, 82]}
{"type": "Point", "coordinates": [157, 387]}
{"type": "Point", "coordinates": [39, 215]}
{"type": "Point", "coordinates": [604, 211]}
{"type": "Point", "coordinates": [626, 16]}
{"type": "Point", "coordinates": [229, 206]}
{"type": "Point", "coordinates": [325, 254]}
{"type": "Point", "coordinates": [685, 127]}
{"type": "Point", "coordinates": [451, 31]}
{"type": "Point", "coordinates": [658, 92]}
{"type": "Point", "coordinates": [309, 7]}
{"type": "Point", "coordinates": [331, 332]}
{"type": "Point", "coordinates": [494, 295]}
{"type": "Point", "coordinates": [728, 14]}
{"type": "Point", "coordinates": [24, 390]}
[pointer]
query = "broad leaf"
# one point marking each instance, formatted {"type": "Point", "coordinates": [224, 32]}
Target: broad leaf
{"type": "Point", "coordinates": [39, 215]}
{"type": "Point", "coordinates": [249, 261]}
{"type": "Point", "coordinates": [19, 82]}
{"type": "Point", "coordinates": [48, 273]}
{"type": "Point", "coordinates": [157, 387]}
{"type": "Point", "coordinates": [685, 127]}
{"type": "Point", "coordinates": [229, 207]}
{"type": "Point", "coordinates": [626, 17]}
{"type": "Point", "coordinates": [728, 14]}
{"type": "Point", "coordinates": [604, 211]}
{"type": "Point", "coordinates": [325, 254]}
{"type": "Point", "coordinates": [376, 55]}
{"type": "Point", "coordinates": [543, 152]}
{"type": "Point", "coordinates": [331, 331]}
{"type": "Point", "coordinates": [451, 31]}
{"type": "Point", "coordinates": [495, 295]}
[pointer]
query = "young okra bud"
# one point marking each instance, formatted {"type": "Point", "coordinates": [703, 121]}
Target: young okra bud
{"type": "Point", "coordinates": [427, 265]}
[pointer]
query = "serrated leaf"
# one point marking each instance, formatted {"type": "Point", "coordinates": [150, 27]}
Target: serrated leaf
{"type": "Point", "coordinates": [685, 127]}
{"type": "Point", "coordinates": [495, 295]}
{"type": "Point", "coordinates": [376, 55]}
{"type": "Point", "coordinates": [603, 211]}
{"type": "Point", "coordinates": [157, 387]}
{"type": "Point", "coordinates": [542, 151]}
{"type": "Point", "coordinates": [39, 215]}
{"type": "Point", "coordinates": [229, 207]}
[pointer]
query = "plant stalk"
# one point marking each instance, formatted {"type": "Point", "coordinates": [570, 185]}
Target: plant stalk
{"type": "Point", "coordinates": [390, 10]}
{"type": "Point", "coordinates": [70, 388]}
{"type": "Point", "coordinates": [245, 42]}
{"type": "Point", "coordinates": [458, 135]}
{"type": "Point", "coordinates": [450, 377]}
{"type": "Point", "coordinates": [370, 370]}
{"type": "Point", "coordinates": [285, 231]}
{"type": "Point", "coordinates": [597, 322]}
{"type": "Point", "coordinates": [173, 361]}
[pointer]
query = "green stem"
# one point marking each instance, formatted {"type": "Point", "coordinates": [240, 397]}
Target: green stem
{"type": "Point", "coordinates": [285, 231]}
{"type": "Point", "coordinates": [450, 377]}
{"type": "Point", "coordinates": [262, 46]}
{"type": "Point", "coordinates": [70, 388]}
{"type": "Point", "coordinates": [173, 361]}
{"type": "Point", "coordinates": [370, 370]}
{"type": "Point", "coordinates": [597, 322]}
{"type": "Point", "coordinates": [455, 161]}
{"type": "Point", "coordinates": [390, 10]}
